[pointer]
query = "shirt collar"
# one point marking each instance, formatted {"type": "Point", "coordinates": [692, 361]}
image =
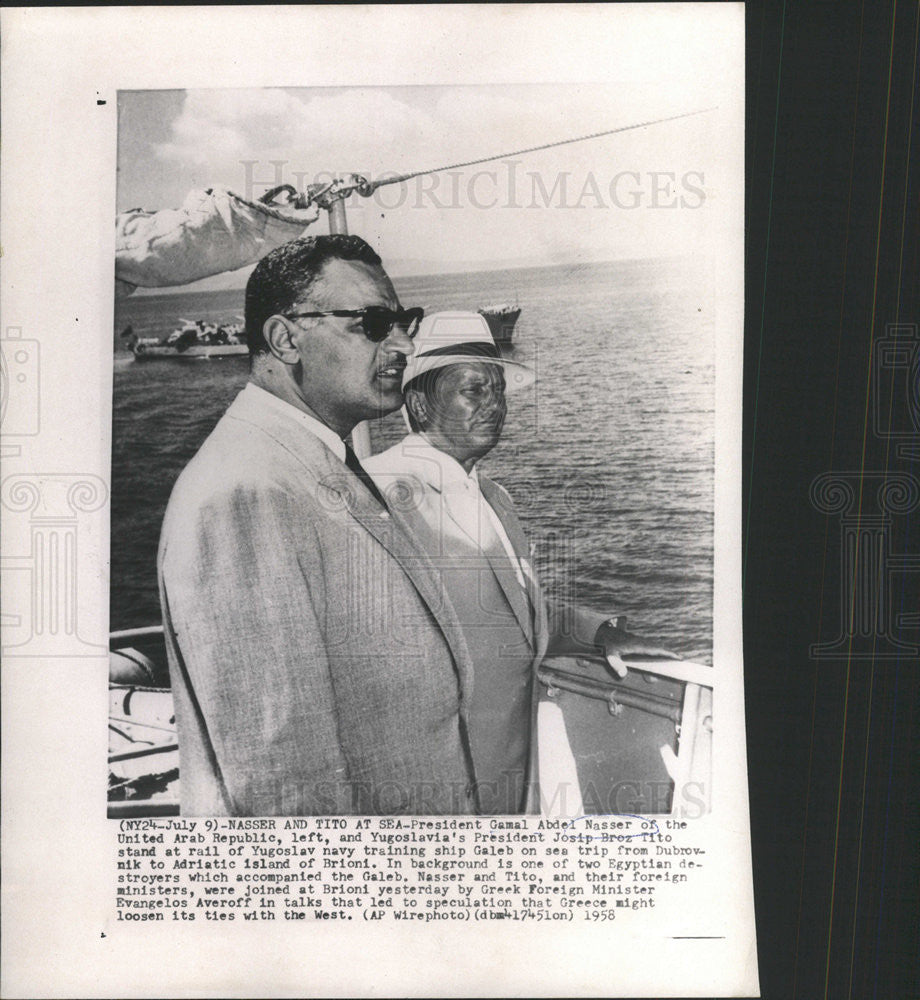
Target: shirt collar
{"type": "Point", "coordinates": [287, 410]}
{"type": "Point", "coordinates": [451, 470]}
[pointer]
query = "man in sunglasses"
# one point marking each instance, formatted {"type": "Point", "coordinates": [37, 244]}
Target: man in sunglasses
{"type": "Point", "coordinates": [315, 667]}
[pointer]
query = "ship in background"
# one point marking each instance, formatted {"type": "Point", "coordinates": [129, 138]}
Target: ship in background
{"type": "Point", "coordinates": [194, 339]}
{"type": "Point", "coordinates": [203, 339]}
{"type": "Point", "coordinates": [501, 320]}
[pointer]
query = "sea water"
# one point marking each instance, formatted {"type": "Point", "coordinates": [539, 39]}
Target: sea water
{"type": "Point", "coordinates": [609, 456]}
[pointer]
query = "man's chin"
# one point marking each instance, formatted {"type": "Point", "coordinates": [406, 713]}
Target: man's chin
{"type": "Point", "coordinates": [490, 434]}
{"type": "Point", "coordinates": [484, 441]}
{"type": "Point", "coordinates": [387, 401]}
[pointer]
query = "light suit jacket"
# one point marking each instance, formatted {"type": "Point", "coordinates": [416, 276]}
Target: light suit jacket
{"type": "Point", "coordinates": [412, 482]}
{"type": "Point", "coordinates": [316, 666]}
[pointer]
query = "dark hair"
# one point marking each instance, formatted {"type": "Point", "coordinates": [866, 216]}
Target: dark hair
{"type": "Point", "coordinates": [426, 385]}
{"type": "Point", "coordinates": [283, 276]}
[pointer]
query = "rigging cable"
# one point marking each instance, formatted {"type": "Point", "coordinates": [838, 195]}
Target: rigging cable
{"type": "Point", "coordinates": [366, 188]}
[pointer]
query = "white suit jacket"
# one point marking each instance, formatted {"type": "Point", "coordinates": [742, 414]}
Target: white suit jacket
{"type": "Point", "coordinates": [316, 666]}
{"type": "Point", "coordinates": [416, 487]}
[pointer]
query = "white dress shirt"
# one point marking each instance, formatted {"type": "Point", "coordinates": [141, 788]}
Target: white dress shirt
{"type": "Point", "coordinates": [464, 500]}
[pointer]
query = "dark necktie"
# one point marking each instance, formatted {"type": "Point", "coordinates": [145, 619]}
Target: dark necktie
{"type": "Point", "coordinates": [351, 460]}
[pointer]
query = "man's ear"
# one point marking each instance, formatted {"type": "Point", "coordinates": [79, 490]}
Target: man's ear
{"type": "Point", "coordinates": [417, 406]}
{"type": "Point", "coordinates": [279, 336]}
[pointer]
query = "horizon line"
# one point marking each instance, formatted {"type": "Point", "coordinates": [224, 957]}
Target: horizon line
{"type": "Point", "coordinates": [148, 292]}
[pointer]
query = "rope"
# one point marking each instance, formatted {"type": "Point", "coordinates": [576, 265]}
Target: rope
{"type": "Point", "coordinates": [281, 213]}
{"type": "Point", "coordinates": [368, 187]}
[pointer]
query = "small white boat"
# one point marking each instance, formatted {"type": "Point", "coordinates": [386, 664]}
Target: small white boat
{"type": "Point", "coordinates": [145, 350]}
{"type": "Point", "coordinates": [194, 339]}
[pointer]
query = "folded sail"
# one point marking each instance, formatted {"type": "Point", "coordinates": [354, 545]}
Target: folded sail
{"type": "Point", "coordinates": [214, 231]}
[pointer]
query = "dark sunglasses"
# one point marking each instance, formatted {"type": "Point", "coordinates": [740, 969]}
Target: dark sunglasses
{"type": "Point", "coordinates": [377, 321]}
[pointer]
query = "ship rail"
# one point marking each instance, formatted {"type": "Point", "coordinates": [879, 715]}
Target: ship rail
{"type": "Point", "coordinates": [684, 703]}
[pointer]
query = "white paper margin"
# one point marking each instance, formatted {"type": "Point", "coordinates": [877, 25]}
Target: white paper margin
{"type": "Point", "coordinates": [58, 198]}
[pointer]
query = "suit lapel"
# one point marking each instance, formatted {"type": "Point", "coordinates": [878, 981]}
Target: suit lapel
{"type": "Point", "coordinates": [514, 592]}
{"type": "Point", "coordinates": [499, 562]}
{"type": "Point", "coordinates": [537, 625]}
{"type": "Point", "coordinates": [512, 525]}
{"type": "Point", "coordinates": [345, 491]}
{"type": "Point", "coordinates": [393, 535]}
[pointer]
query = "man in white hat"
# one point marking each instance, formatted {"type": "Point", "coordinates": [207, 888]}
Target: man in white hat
{"type": "Point", "coordinates": [454, 387]}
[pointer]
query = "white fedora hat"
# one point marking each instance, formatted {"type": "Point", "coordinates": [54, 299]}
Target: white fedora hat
{"type": "Point", "coordinates": [450, 338]}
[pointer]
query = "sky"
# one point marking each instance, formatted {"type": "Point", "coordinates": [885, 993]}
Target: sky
{"type": "Point", "coordinates": [642, 193]}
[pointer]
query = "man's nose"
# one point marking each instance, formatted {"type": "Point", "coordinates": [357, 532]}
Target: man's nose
{"type": "Point", "coordinates": [494, 400]}
{"type": "Point", "coordinates": [398, 340]}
